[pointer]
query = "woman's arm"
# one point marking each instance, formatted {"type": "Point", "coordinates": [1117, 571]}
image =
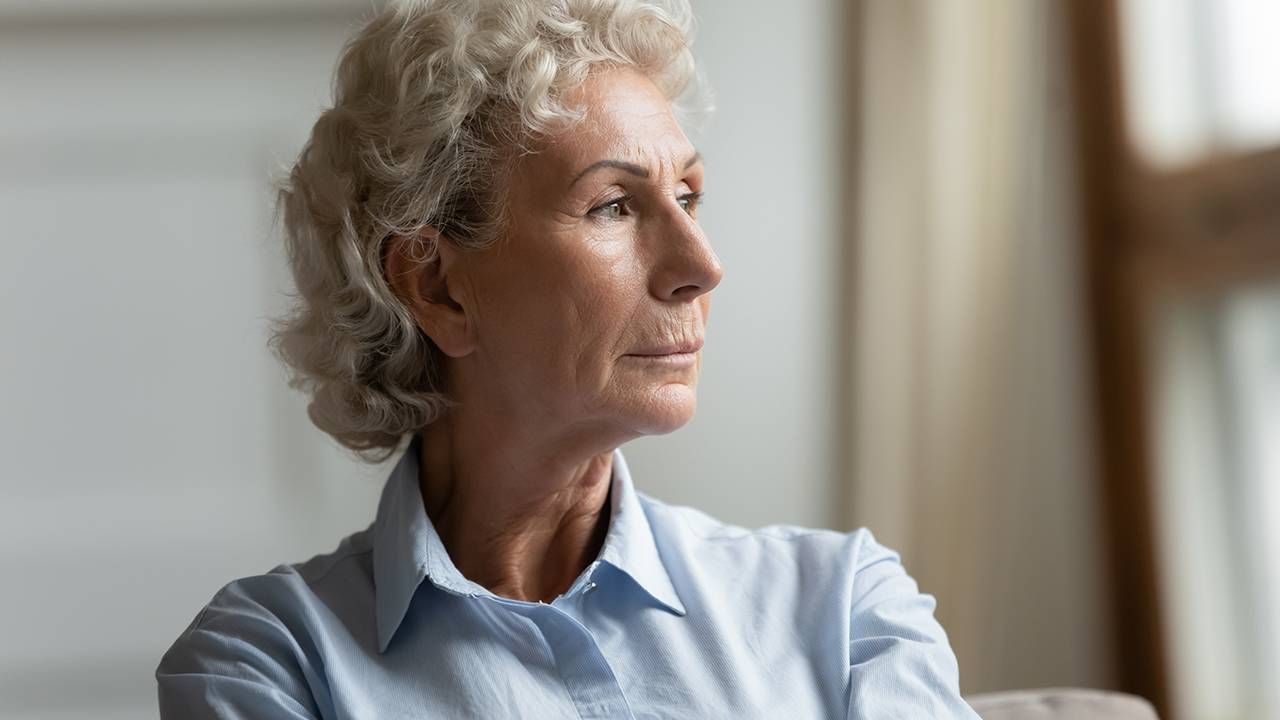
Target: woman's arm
{"type": "Point", "coordinates": [901, 664]}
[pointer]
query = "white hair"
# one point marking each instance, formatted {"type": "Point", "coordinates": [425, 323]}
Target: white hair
{"type": "Point", "coordinates": [432, 100]}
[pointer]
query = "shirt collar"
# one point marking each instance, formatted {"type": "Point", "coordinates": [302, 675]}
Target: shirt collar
{"type": "Point", "coordinates": [407, 549]}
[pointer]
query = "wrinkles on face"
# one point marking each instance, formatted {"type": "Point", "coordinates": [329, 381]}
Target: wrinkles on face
{"type": "Point", "coordinates": [570, 322]}
{"type": "Point", "coordinates": [575, 292]}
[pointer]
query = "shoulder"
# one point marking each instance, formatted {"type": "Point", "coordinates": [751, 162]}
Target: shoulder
{"type": "Point", "coordinates": [829, 585]}
{"type": "Point", "coordinates": [809, 554]}
{"type": "Point", "coordinates": [866, 576]}
{"type": "Point", "coordinates": [696, 526]}
{"type": "Point", "coordinates": [285, 589]}
{"type": "Point", "coordinates": [261, 634]}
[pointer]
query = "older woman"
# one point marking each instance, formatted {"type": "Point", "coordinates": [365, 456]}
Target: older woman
{"type": "Point", "coordinates": [495, 240]}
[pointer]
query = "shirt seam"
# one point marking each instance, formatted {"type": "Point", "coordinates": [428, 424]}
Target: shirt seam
{"type": "Point", "coordinates": [769, 536]}
{"type": "Point", "coordinates": [199, 621]}
{"type": "Point", "coordinates": [759, 533]}
{"type": "Point", "coordinates": [746, 532]}
{"type": "Point", "coordinates": [311, 583]}
{"type": "Point", "coordinates": [198, 624]}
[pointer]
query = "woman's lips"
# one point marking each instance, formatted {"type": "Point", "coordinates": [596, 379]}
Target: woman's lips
{"type": "Point", "coordinates": [673, 359]}
{"type": "Point", "coordinates": [684, 348]}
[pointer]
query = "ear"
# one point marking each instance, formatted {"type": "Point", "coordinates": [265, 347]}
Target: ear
{"type": "Point", "coordinates": [417, 268]}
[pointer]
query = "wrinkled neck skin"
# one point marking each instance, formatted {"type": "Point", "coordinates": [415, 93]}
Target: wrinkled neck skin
{"type": "Point", "coordinates": [519, 512]}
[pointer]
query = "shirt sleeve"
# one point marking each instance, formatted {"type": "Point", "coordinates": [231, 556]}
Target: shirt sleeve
{"type": "Point", "coordinates": [234, 662]}
{"type": "Point", "coordinates": [901, 664]}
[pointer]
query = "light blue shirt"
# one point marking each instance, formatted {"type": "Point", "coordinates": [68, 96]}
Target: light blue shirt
{"type": "Point", "coordinates": [681, 616]}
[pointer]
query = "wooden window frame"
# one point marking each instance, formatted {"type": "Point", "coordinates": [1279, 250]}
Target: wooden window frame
{"type": "Point", "coordinates": [1150, 235]}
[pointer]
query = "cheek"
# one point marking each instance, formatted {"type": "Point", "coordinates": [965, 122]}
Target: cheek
{"type": "Point", "coordinates": [606, 319]}
{"type": "Point", "coordinates": [523, 317]}
{"type": "Point", "coordinates": [565, 322]}
{"type": "Point", "coordinates": [606, 305]}
{"type": "Point", "coordinates": [563, 313]}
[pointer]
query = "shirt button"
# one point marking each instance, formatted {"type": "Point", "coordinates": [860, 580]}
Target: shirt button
{"type": "Point", "coordinates": [588, 587]}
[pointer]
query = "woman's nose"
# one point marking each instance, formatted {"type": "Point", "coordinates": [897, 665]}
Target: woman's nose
{"type": "Point", "coordinates": [687, 265]}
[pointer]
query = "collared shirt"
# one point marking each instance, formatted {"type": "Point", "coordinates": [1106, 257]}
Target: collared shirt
{"type": "Point", "coordinates": [681, 616]}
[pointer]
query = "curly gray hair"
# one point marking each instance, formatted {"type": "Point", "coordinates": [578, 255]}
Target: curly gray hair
{"type": "Point", "coordinates": [432, 100]}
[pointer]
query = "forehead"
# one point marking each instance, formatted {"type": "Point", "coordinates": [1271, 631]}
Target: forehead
{"type": "Point", "coordinates": [626, 118]}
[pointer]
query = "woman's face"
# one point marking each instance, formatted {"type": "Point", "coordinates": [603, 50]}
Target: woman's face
{"type": "Point", "coordinates": [602, 276]}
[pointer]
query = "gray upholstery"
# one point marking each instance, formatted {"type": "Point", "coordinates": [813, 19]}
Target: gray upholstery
{"type": "Point", "coordinates": [1061, 704]}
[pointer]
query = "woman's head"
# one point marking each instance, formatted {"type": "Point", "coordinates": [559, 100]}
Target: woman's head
{"type": "Point", "coordinates": [445, 249]}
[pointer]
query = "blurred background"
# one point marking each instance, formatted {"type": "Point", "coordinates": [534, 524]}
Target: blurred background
{"type": "Point", "coordinates": [1002, 284]}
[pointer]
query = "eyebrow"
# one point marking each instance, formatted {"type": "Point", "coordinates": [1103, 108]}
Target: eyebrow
{"type": "Point", "coordinates": [631, 168]}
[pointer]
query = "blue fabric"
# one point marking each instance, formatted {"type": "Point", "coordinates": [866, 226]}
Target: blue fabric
{"type": "Point", "coordinates": [681, 616]}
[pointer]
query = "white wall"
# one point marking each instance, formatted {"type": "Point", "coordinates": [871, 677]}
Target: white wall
{"type": "Point", "coordinates": [149, 450]}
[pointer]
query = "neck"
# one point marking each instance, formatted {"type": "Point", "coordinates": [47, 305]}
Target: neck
{"type": "Point", "coordinates": [522, 519]}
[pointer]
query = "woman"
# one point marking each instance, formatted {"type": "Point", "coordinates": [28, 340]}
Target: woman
{"type": "Point", "coordinates": [494, 236]}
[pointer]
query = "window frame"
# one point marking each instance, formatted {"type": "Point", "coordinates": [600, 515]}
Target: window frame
{"type": "Point", "coordinates": [1149, 235]}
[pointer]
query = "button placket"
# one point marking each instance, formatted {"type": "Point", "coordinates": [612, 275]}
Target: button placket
{"type": "Point", "coordinates": [587, 676]}
{"type": "Point", "coordinates": [586, 672]}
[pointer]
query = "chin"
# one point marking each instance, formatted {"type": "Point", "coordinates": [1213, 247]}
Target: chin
{"type": "Point", "coordinates": [669, 408]}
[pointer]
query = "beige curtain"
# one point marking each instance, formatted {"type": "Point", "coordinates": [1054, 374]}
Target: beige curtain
{"type": "Point", "coordinates": [972, 452]}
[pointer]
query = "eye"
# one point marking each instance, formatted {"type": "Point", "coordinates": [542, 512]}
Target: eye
{"type": "Point", "coordinates": [612, 209]}
{"type": "Point", "coordinates": [690, 202]}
